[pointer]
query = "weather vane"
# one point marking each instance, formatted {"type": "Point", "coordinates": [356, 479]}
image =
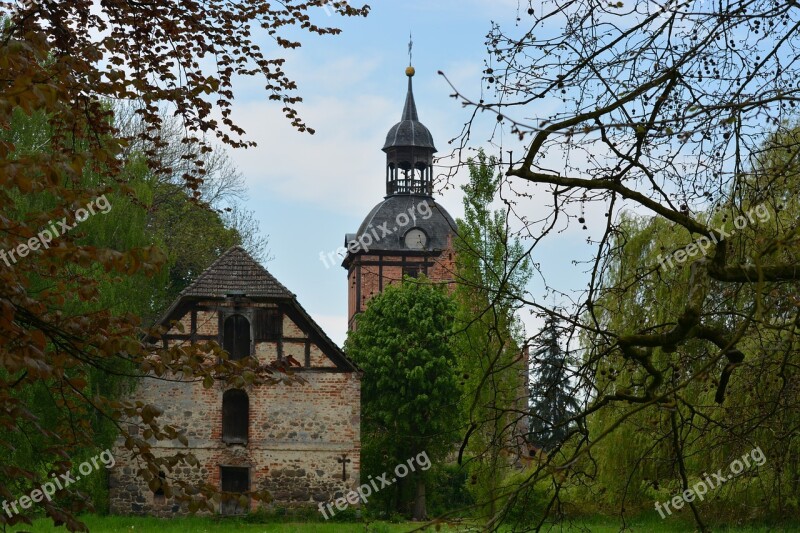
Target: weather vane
{"type": "Point", "coordinates": [410, 45]}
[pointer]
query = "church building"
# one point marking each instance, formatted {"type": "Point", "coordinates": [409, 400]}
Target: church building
{"type": "Point", "coordinates": [301, 442]}
{"type": "Point", "coordinates": [408, 233]}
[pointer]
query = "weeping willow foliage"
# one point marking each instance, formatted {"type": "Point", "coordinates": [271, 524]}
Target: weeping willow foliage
{"type": "Point", "coordinates": [643, 454]}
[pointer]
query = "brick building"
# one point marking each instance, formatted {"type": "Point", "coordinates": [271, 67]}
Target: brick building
{"type": "Point", "coordinates": [408, 233]}
{"type": "Point", "coordinates": [300, 442]}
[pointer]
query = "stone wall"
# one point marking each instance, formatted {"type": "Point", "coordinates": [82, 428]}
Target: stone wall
{"type": "Point", "coordinates": [297, 433]}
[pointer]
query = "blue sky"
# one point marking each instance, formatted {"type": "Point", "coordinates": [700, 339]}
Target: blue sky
{"type": "Point", "coordinates": [308, 191]}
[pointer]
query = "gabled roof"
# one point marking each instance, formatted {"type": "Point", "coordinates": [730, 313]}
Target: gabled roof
{"type": "Point", "coordinates": [236, 272]}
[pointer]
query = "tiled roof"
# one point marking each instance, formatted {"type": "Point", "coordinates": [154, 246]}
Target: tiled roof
{"type": "Point", "coordinates": [236, 272]}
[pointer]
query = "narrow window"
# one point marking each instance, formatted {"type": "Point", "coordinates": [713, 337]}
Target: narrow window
{"type": "Point", "coordinates": [235, 416]}
{"type": "Point", "coordinates": [236, 337]}
{"type": "Point", "coordinates": [158, 495]}
{"type": "Point", "coordinates": [235, 480]}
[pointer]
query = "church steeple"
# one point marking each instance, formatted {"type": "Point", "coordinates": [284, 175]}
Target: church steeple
{"type": "Point", "coordinates": [410, 109]}
{"type": "Point", "coordinates": [408, 245]}
{"type": "Point", "coordinates": [409, 151]}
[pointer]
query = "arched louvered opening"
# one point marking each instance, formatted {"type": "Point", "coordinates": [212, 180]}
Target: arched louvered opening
{"type": "Point", "coordinates": [236, 337]}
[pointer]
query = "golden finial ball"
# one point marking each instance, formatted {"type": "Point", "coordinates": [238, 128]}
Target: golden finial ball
{"type": "Point", "coordinates": [410, 71]}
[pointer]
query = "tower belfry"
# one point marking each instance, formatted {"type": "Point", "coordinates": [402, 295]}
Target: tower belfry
{"type": "Point", "coordinates": [408, 233]}
{"type": "Point", "coordinates": [409, 150]}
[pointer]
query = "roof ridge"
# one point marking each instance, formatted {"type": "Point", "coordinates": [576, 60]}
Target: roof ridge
{"type": "Point", "coordinates": [209, 268]}
{"type": "Point", "coordinates": [236, 270]}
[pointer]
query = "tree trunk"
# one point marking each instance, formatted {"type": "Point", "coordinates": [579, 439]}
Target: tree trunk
{"type": "Point", "coordinates": [420, 513]}
{"type": "Point", "coordinates": [399, 499]}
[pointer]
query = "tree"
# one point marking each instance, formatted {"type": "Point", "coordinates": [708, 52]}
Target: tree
{"type": "Point", "coordinates": [648, 455]}
{"type": "Point", "coordinates": [553, 401]}
{"type": "Point", "coordinates": [490, 269]}
{"type": "Point", "coordinates": [668, 109]}
{"type": "Point", "coordinates": [222, 190]}
{"type": "Point", "coordinates": [125, 224]}
{"type": "Point", "coordinates": [410, 387]}
{"type": "Point", "coordinates": [62, 62]}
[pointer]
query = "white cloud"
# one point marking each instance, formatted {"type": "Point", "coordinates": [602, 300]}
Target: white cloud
{"type": "Point", "coordinates": [340, 167]}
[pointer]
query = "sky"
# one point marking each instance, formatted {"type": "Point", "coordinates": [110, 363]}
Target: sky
{"type": "Point", "coordinates": [308, 191]}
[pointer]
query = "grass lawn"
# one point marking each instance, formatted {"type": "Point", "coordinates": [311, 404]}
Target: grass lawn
{"type": "Point", "coordinates": [120, 524]}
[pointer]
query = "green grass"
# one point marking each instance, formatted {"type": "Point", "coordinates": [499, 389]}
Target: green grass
{"type": "Point", "coordinates": [122, 524]}
{"type": "Point", "coordinates": [647, 524]}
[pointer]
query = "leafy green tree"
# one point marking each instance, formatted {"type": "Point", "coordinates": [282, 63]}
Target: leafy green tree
{"type": "Point", "coordinates": [126, 221]}
{"type": "Point", "coordinates": [491, 270]}
{"type": "Point", "coordinates": [648, 455]}
{"type": "Point", "coordinates": [662, 108]}
{"type": "Point", "coordinates": [410, 386]}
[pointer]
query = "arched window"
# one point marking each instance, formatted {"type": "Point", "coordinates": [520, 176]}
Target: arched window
{"type": "Point", "coordinates": [236, 337]}
{"type": "Point", "coordinates": [235, 416]}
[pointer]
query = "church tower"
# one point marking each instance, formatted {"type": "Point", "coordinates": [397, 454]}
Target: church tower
{"type": "Point", "coordinates": [407, 233]}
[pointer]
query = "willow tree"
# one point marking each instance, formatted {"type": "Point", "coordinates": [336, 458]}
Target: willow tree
{"type": "Point", "coordinates": [651, 455]}
{"type": "Point", "coordinates": [665, 109]}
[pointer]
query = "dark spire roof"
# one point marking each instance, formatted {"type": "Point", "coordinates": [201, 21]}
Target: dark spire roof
{"type": "Point", "coordinates": [439, 226]}
{"type": "Point", "coordinates": [236, 272]}
{"type": "Point", "coordinates": [410, 109]}
{"type": "Point", "coordinates": [409, 132]}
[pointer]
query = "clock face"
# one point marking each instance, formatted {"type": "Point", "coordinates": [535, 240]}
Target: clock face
{"type": "Point", "coordinates": [416, 239]}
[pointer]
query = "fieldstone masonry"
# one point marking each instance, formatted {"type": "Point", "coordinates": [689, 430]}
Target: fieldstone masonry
{"type": "Point", "coordinates": [296, 435]}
